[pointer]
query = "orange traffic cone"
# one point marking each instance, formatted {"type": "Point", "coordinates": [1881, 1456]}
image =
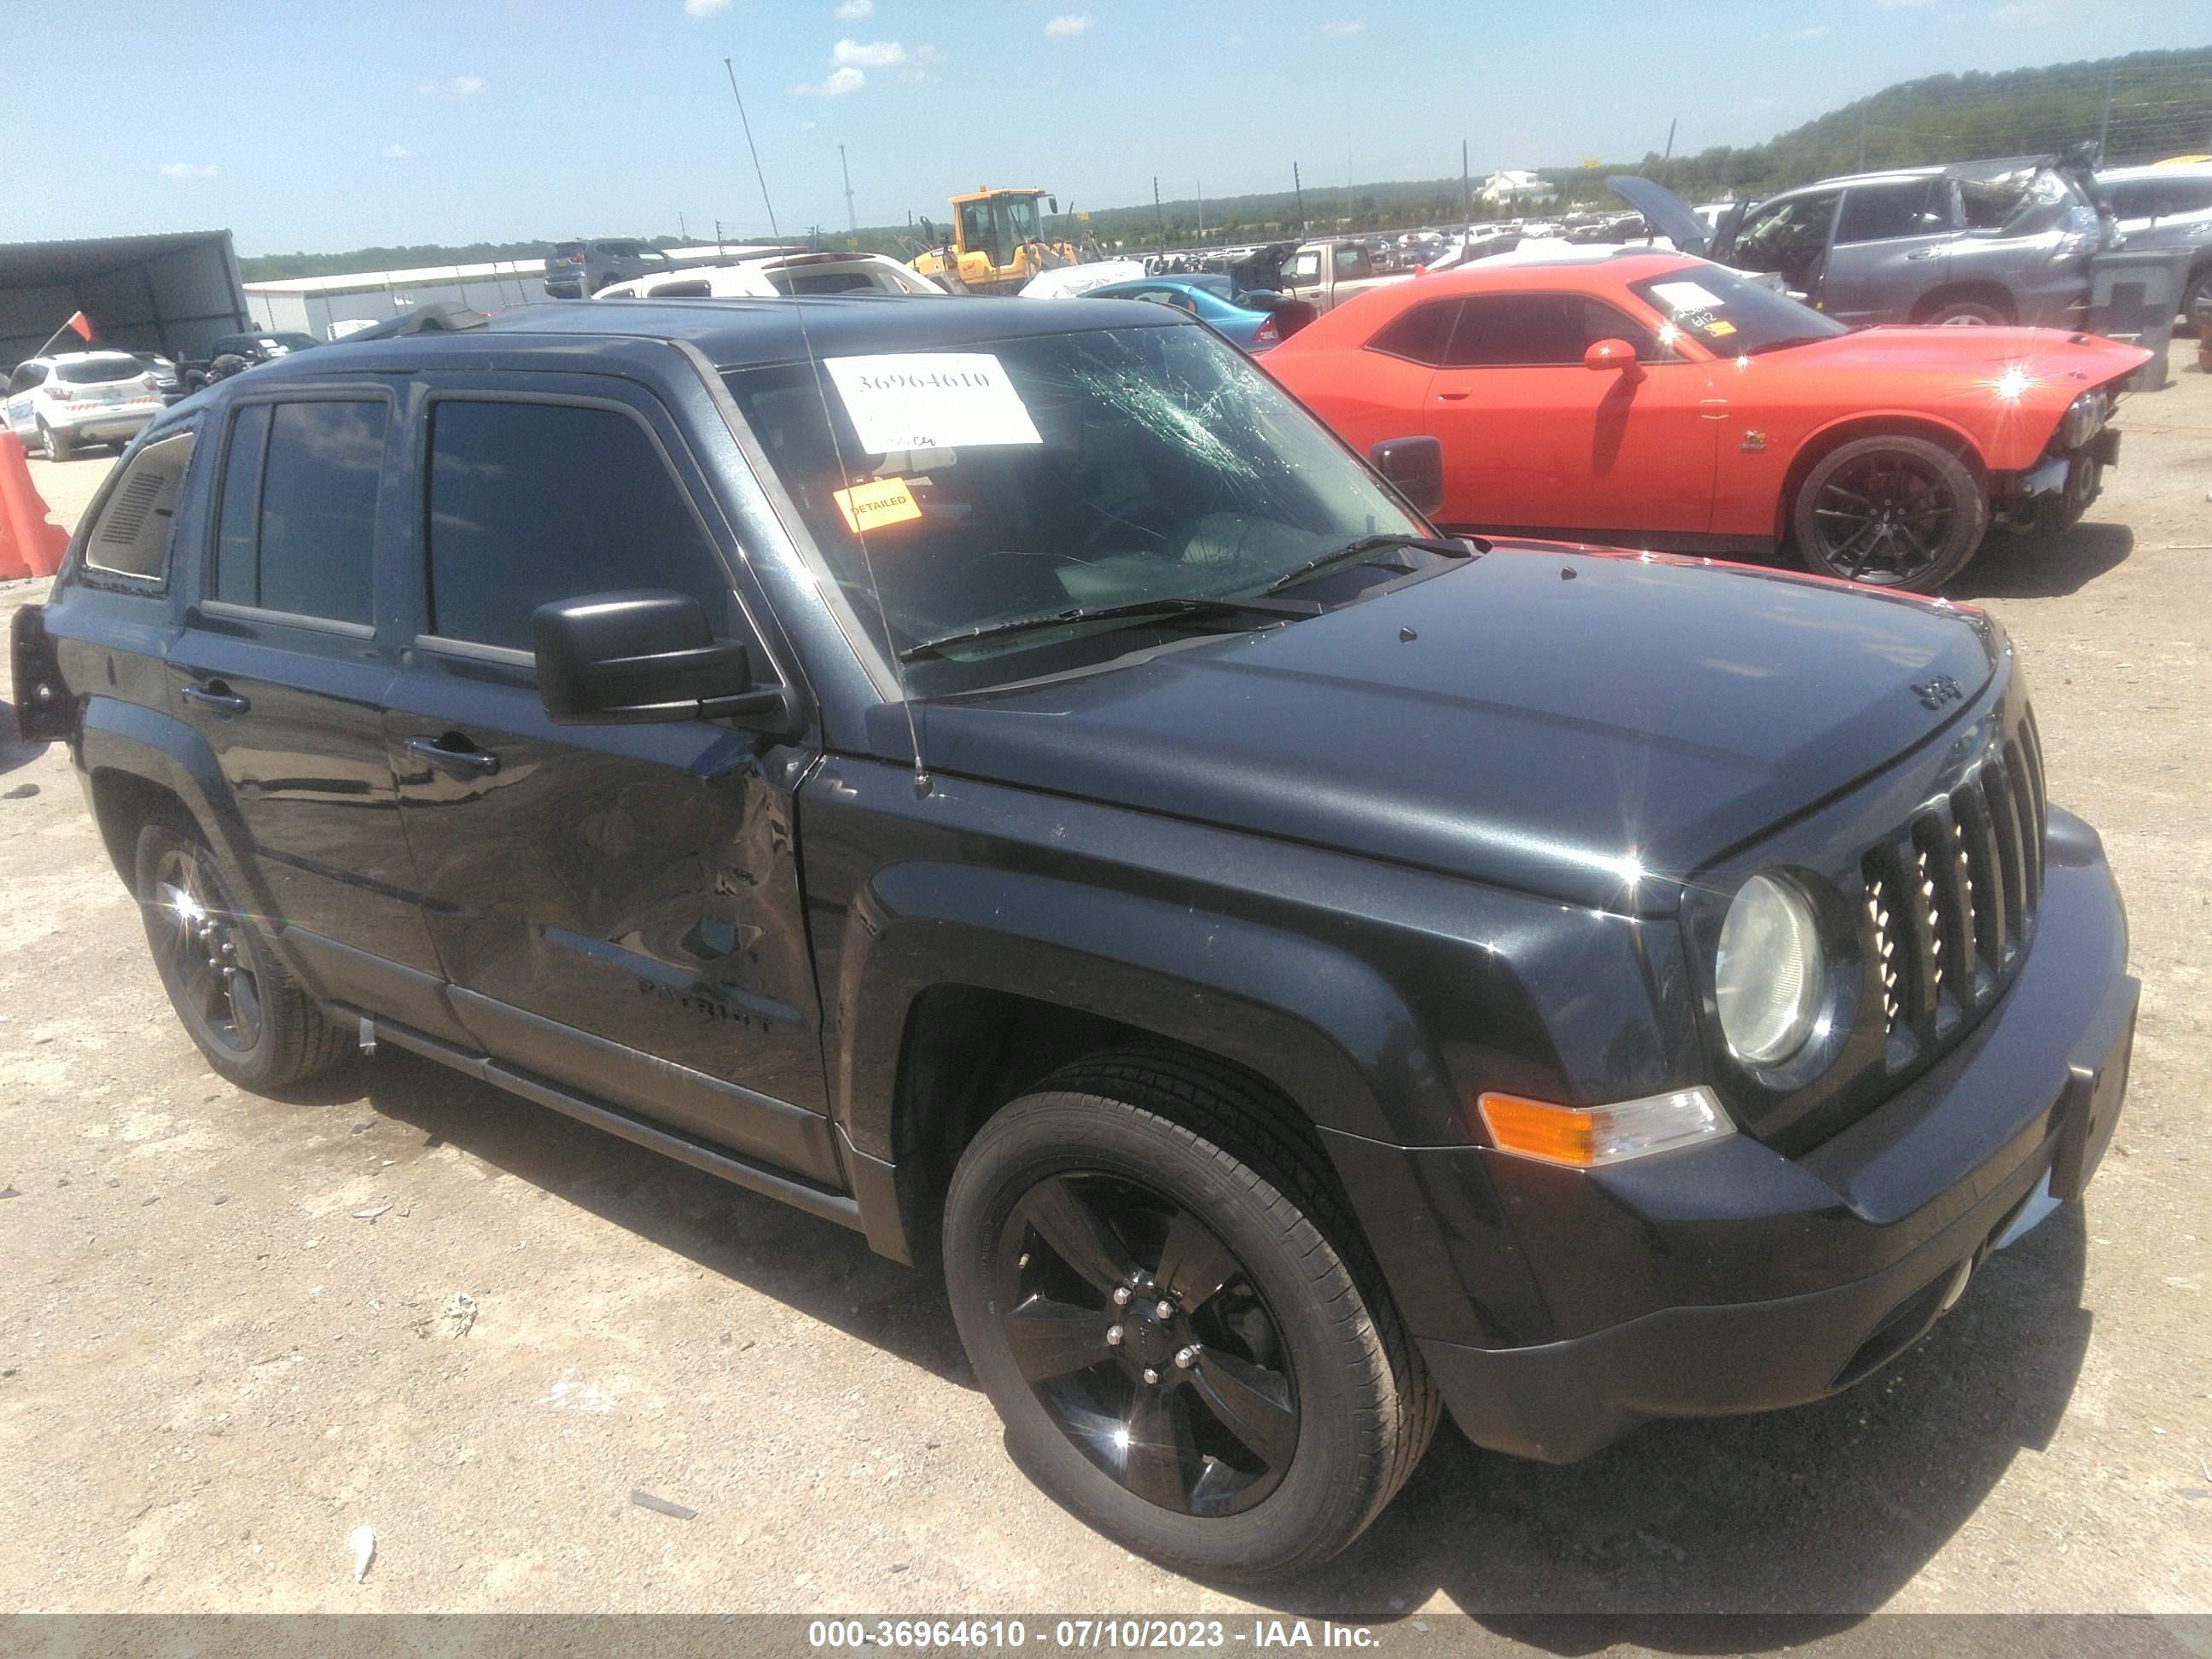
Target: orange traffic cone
{"type": "Point", "coordinates": [29, 544]}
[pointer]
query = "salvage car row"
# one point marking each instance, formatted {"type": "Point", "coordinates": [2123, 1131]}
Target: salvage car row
{"type": "Point", "coordinates": [920, 762]}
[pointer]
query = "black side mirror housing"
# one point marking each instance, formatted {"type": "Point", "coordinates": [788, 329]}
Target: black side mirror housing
{"type": "Point", "coordinates": [1416, 467]}
{"type": "Point", "coordinates": [641, 656]}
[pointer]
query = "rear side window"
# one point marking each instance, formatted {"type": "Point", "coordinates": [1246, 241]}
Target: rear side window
{"type": "Point", "coordinates": [130, 536]}
{"type": "Point", "coordinates": [1421, 335]}
{"type": "Point", "coordinates": [689, 289]}
{"type": "Point", "coordinates": [535, 502]}
{"type": "Point", "coordinates": [1879, 213]}
{"type": "Point", "coordinates": [297, 525]}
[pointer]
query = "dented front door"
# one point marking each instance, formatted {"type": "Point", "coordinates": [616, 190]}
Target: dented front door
{"type": "Point", "coordinates": [617, 907]}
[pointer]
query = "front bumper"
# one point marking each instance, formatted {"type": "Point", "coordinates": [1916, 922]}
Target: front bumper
{"type": "Point", "coordinates": [2054, 494]}
{"type": "Point", "coordinates": [1729, 1279]}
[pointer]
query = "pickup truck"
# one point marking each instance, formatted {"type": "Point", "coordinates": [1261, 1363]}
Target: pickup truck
{"type": "Point", "coordinates": [1004, 779]}
{"type": "Point", "coordinates": [1327, 273]}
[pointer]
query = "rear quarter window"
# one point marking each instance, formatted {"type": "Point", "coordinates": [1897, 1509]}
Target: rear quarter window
{"type": "Point", "coordinates": [130, 535]}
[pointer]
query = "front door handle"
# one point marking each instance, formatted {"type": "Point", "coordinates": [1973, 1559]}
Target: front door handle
{"type": "Point", "coordinates": [1452, 396]}
{"type": "Point", "coordinates": [1921, 253]}
{"type": "Point", "coordinates": [467, 763]}
{"type": "Point", "coordinates": [214, 694]}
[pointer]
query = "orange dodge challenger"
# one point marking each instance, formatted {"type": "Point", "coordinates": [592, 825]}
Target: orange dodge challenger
{"type": "Point", "coordinates": [1659, 401]}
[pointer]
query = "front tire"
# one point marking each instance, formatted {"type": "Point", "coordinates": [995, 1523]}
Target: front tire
{"type": "Point", "coordinates": [1890, 510]}
{"type": "Point", "coordinates": [1172, 1310]}
{"type": "Point", "coordinates": [57, 447]}
{"type": "Point", "coordinates": [250, 1019]}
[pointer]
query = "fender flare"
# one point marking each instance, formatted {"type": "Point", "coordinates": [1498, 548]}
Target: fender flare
{"type": "Point", "coordinates": [159, 749]}
{"type": "Point", "coordinates": [1326, 1029]}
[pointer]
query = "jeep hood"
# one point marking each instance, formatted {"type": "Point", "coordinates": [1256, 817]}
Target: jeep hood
{"type": "Point", "coordinates": [1586, 725]}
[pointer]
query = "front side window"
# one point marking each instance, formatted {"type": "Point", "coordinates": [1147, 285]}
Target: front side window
{"type": "Point", "coordinates": [1162, 466]}
{"type": "Point", "coordinates": [531, 504]}
{"type": "Point", "coordinates": [1306, 267]}
{"type": "Point", "coordinates": [304, 541]}
{"type": "Point", "coordinates": [1539, 330]}
{"type": "Point", "coordinates": [130, 535]}
{"type": "Point", "coordinates": [1787, 236]}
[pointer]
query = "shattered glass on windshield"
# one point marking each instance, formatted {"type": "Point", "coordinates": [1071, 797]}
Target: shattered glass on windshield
{"type": "Point", "coordinates": [1166, 466]}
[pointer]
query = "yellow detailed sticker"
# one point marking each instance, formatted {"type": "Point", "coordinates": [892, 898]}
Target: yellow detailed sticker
{"type": "Point", "coordinates": [1720, 327]}
{"type": "Point", "coordinates": [872, 506]}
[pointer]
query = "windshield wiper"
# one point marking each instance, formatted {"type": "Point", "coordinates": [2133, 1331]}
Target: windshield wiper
{"type": "Point", "coordinates": [1280, 610]}
{"type": "Point", "coordinates": [1365, 545]}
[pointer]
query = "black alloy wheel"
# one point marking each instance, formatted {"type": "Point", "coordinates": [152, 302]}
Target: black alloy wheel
{"type": "Point", "coordinates": [1168, 1300]}
{"type": "Point", "coordinates": [239, 1003]}
{"type": "Point", "coordinates": [195, 927]}
{"type": "Point", "coordinates": [1893, 512]}
{"type": "Point", "coordinates": [1148, 1343]}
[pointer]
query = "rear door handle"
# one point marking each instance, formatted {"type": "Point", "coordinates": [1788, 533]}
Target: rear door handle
{"type": "Point", "coordinates": [467, 763]}
{"type": "Point", "coordinates": [214, 694]}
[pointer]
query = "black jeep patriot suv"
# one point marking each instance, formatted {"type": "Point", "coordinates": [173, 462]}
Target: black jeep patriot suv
{"type": "Point", "coordinates": [1005, 778]}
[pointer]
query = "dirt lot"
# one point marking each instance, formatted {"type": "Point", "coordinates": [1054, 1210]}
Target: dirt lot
{"type": "Point", "coordinates": [224, 1345]}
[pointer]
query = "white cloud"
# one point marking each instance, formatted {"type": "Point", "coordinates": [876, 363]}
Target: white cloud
{"type": "Point", "coordinates": [1068, 25]}
{"type": "Point", "coordinates": [2029, 14]}
{"type": "Point", "coordinates": [397, 152]}
{"type": "Point", "coordinates": [867, 54]}
{"type": "Point", "coordinates": [919, 63]}
{"type": "Point", "coordinates": [808, 126]}
{"type": "Point", "coordinates": [836, 84]}
{"type": "Point", "coordinates": [1342, 29]}
{"type": "Point", "coordinates": [1899, 5]}
{"type": "Point", "coordinates": [1810, 31]}
{"type": "Point", "coordinates": [186, 170]}
{"type": "Point", "coordinates": [461, 86]}
{"type": "Point", "coordinates": [704, 8]}
{"type": "Point", "coordinates": [852, 10]}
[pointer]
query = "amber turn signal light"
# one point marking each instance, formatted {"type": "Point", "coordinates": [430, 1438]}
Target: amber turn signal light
{"type": "Point", "coordinates": [1586, 1137]}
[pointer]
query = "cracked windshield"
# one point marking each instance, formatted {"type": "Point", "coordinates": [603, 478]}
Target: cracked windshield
{"type": "Point", "coordinates": [1056, 474]}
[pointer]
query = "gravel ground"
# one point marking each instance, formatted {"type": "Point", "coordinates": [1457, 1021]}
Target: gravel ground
{"type": "Point", "coordinates": [240, 1328]}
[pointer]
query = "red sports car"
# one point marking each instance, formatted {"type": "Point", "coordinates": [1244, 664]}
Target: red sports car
{"type": "Point", "coordinates": [1659, 401]}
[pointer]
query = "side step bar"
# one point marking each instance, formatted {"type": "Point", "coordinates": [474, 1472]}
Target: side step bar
{"type": "Point", "coordinates": [840, 1207]}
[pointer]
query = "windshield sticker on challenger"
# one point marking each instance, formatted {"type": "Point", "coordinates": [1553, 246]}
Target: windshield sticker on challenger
{"type": "Point", "coordinates": [931, 400]}
{"type": "Point", "coordinates": [1686, 296]}
{"type": "Point", "coordinates": [872, 506]}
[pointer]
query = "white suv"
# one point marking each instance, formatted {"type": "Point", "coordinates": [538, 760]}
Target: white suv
{"type": "Point", "coordinates": [81, 397]}
{"type": "Point", "coordinates": [778, 278]}
{"type": "Point", "coordinates": [2167, 206]}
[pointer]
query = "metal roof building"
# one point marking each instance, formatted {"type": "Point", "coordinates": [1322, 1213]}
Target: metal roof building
{"type": "Point", "coordinates": [171, 293]}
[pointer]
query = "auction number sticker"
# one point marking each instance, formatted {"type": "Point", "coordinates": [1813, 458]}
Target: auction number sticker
{"type": "Point", "coordinates": [1686, 296]}
{"type": "Point", "coordinates": [931, 400]}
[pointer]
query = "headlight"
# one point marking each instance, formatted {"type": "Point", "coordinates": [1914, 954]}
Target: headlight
{"type": "Point", "coordinates": [1770, 979]}
{"type": "Point", "coordinates": [2085, 417]}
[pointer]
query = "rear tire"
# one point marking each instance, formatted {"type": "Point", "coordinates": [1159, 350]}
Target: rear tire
{"type": "Point", "coordinates": [2192, 294]}
{"type": "Point", "coordinates": [1967, 314]}
{"type": "Point", "coordinates": [1890, 510]}
{"type": "Point", "coordinates": [1284, 1404]}
{"type": "Point", "coordinates": [252, 1020]}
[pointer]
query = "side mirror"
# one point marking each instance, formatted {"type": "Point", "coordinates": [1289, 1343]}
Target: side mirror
{"type": "Point", "coordinates": [641, 656]}
{"type": "Point", "coordinates": [928, 230]}
{"type": "Point", "coordinates": [1053, 201]}
{"type": "Point", "coordinates": [1416, 467]}
{"type": "Point", "coordinates": [1613, 355]}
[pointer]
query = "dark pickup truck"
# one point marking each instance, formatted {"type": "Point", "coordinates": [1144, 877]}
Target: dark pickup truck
{"type": "Point", "coordinates": [1003, 777]}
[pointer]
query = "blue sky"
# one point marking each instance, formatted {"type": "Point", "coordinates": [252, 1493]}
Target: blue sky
{"type": "Point", "coordinates": [311, 126]}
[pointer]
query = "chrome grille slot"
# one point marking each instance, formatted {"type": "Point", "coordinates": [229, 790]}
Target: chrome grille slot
{"type": "Point", "coordinates": [1950, 898]}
